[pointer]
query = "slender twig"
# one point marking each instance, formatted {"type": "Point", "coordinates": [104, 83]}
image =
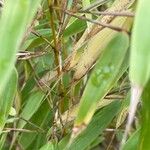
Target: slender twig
{"type": "Point", "coordinates": [110, 13]}
{"type": "Point", "coordinates": [29, 122]}
{"type": "Point", "coordinates": [43, 38]}
{"type": "Point", "coordinates": [30, 28]}
{"type": "Point", "coordinates": [36, 77]}
{"type": "Point", "coordinates": [111, 141]}
{"type": "Point", "coordinates": [6, 130]}
{"type": "Point", "coordinates": [64, 6]}
{"type": "Point", "coordinates": [118, 90]}
{"type": "Point", "coordinates": [95, 22]}
{"type": "Point", "coordinates": [110, 130]}
{"type": "Point", "coordinates": [96, 4]}
{"type": "Point", "coordinates": [74, 8]}
{"type": "Point", "coordinates": [56, 51]}
{"type": "Point", "coordinates": [114, 97]}
{"type": "Point", "coordinates": [29, 55]}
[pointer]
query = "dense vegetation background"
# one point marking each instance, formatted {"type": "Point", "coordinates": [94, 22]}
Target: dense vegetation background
{"type": "Point", "coordinates": [73, 73]}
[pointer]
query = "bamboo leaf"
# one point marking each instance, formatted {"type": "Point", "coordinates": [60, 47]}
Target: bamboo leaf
{"type": "Point", "coordinates": [132, 142]}
{"type": "Point", "coordinates": [48, 146]}
{"type": "Point", "coordinates": [140, 56]}
{"type": "Point", "coordinates": [33, 103]}
{"type": "Point", "coordinates": [123, 111]}
{"type": "Point", "coordinates": [86, 3]}
{"type": "Point", "coordinates": [13, 25]}
{"type": "Point", "coordinates": [44, 115]}
{"type": "Point", "coordinates": [96, 126]}
{"type": "Point", "coordinates": [3, 140]}
{"type": "Point", "coordinates": [75, 27]}
{"type": "Point", "coordinates": [145, 120]}
{"type": "Point", "coordinates": [7, 97]}
{"type": "Point", "coordinates": [102, 78]}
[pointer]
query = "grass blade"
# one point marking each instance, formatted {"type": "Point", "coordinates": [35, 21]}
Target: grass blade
{"type": "Point", "coordinates": [132, 141]}
{"type": "Point", "coordinates": [101, 79]}
{"type": "Point", "coordinates": [48, 146]}
{"type": "Point", "coordinates": [7, 97]}
{"type": "Point", "coordinates": [33, 103]}
{"type": "Point", "coordinates": [140, 56]}
{"type": "Point", "coordinates": [3, 140]}
{"type": "Point", "coordinates": [44, 116]}
{"type": "Point", "coordinates": [13, 25]}
{"type": "Point", "coordinates": [96, 126]}
{"type": "Point", "coordinates": [145, 130]}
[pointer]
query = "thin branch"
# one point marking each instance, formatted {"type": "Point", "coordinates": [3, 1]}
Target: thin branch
{"type": "Point", "coordinates": [96, 22]}
{"type": "Point", "coordinates": [51, 22]}
{"type": "Point", "coordinates": [29, 55]}
{"type": "Point", "coordinates": [43, 38]}
{"type": "Point", "coordinates": [32, 124]}
{"type": "Point", "coordinates": [63, 15]}
{"type": "Point", "coordinates": [96, 4]}
{"type": "Point", "coordinates": [114, 97]}
{"type": "Point", "coordinates": [110, 13]}
{"type": "Point", "coordinates": [6, 130]}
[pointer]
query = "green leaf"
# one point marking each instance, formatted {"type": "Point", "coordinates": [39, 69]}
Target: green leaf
{"type": "Point", "coordinates": [62, 144]}
{"type": "Point", "coordinates": [123, 112]}
{"type": "Point", "coordinates": [13, 25]}
{"type": "Point", "coordinates": [48, 146]}
{"type": "Point", "coordinates": [103, 77]}
{"type": "Point", "coordinates": [3, 140]}
{"type": "Point", "coordinates": [140, 54]}
{"type": "Point", "coordinates": [75, 27]}
{"type": "Point", "coordinates": [145, 120]}
{"type": "Point", "coordinates": [86, 3]}
{"type": "Point", "coordinates": [96, 126]}
{"type": "Point", "coordinates": [7, 97]}
{"type": "Point", "coordinates": [44, 115]}
{"type": "Point", "coordinates": [32, 105]}
{"type": "Point", "coordinates": [132, 142]}
{"type": "Point", "coordinates": [139, 60]}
